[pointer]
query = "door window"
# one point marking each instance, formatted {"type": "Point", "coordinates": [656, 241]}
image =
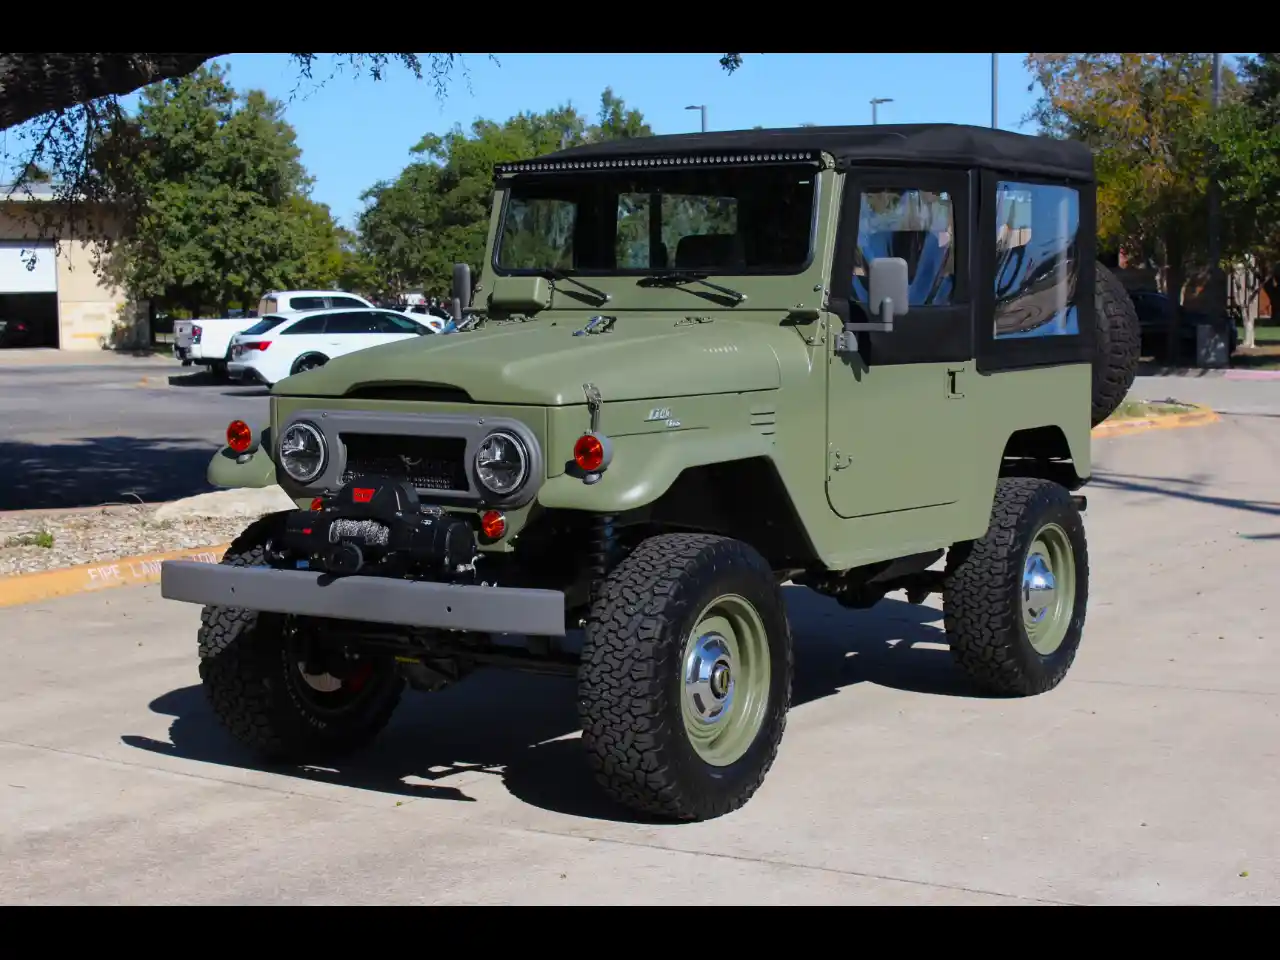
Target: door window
{"type": "Point", "coordinates": [308, 325]}
{"type": "Point", "coordinates": [353, 323]}
{"type": "Point", "coordinates": [306, 303]}
{"type": "Point", "coordinates": [916, 225]}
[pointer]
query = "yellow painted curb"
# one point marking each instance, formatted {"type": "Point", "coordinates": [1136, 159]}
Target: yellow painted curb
{"type": "Point", "coordinates": [1199, 417]}
{"type": "Point", "coordinates": [95, 577]}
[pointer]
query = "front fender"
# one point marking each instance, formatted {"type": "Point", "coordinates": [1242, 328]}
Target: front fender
{"type": "Point", "coordinates": [645, 466]}
{"type": "Point", "coordinates": [228, 469]}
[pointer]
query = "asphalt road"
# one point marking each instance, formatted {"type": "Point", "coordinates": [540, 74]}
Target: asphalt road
{"type": "Point", "coordinates": [82, 435]}
{"type": "Point", "coordinates": [1149, 776]}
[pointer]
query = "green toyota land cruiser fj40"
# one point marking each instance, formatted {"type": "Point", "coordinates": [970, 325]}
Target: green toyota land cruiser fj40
{"type": "Point", "coordinates": [693, 369]}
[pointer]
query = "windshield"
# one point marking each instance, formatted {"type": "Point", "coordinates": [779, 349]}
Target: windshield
{"type": "Point", "coordinates": [731, 220]}
{"type": "Point", "coordinates": [263, 325]}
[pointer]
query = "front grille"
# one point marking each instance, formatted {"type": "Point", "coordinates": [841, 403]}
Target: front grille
{"type": "Point", "coordinates": [429, 463]}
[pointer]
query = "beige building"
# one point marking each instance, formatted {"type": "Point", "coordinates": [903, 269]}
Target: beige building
{"type": "Point", "coordinates": [51, 286]}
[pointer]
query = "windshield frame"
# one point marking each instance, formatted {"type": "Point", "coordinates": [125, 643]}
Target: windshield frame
{"type": "Point", "coordinates": [638, 273]}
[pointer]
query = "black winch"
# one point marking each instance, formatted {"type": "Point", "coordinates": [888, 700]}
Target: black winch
{"type": "Point", "coordinates": [376, 525]}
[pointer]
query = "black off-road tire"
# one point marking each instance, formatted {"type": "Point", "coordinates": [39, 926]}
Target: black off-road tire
{"type": "Point", "coordinates": [1117, 344]}
{"type": "Point", "coordinates": [629, 682]}
{"type": "Point", "coordinates": [982, 592]}
{"type": "Point", "coordinates": [246, 670]}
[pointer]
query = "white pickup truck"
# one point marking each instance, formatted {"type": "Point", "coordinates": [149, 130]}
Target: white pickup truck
{"type": "Point", "coordinates": [208, 342]}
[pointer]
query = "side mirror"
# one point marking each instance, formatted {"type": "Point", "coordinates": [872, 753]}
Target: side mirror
{"type": "Point", "coordinates": [888, 298]}
{"type": "Point", "coordinates": [461, 292]}
{"type": "Point", "coordinates": [888, 285]}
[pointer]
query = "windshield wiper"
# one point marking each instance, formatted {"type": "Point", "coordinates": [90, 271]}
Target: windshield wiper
{"type": "Point", "coordinates": [554, 273]}
{"type": "Point", "coordinates": [688, 276]}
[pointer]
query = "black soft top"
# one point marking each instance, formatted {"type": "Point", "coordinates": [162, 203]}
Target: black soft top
{"type": "Point", "coordinates": [937, 144]}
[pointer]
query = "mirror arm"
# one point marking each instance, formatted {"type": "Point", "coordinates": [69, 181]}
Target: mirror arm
{"type": "Point", "coordinates": [885, 324]}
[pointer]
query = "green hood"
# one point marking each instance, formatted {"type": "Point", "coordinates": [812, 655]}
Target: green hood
{"type": "Point", "coordinates": [541, 362]}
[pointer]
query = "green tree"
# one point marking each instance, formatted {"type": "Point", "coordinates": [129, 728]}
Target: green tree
{"type": "Point", "coordinates": [1144, 115]}
{"type": "Point", "coordinates": [1244, 157]}
{"type": "Point", "coordinates": [436, 213]}
{"type": "Point", "coordinates": [214, 198]}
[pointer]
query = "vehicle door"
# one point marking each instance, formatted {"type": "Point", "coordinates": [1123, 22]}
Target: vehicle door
{"type": "Point", "coordinates": [897, 423]}
{"type": "Point", "coordinates": [307, 335]}
{"type": "Point", "coordinates": [354, 330]}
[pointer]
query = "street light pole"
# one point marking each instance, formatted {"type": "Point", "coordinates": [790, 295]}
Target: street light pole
{"type": "Point", "coordinates": [875, 102]}
{"type": "Point", "coordinates": [995, 89]}
{"type": "Point", "coordinates": [702, 108]}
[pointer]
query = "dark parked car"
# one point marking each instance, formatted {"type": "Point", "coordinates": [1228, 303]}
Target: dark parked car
{"type": "Point", "coordinates": [1153, 310]}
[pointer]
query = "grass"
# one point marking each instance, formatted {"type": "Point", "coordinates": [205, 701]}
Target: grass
{"type": "Point", "coordinates": [1142, 409]}
{"type": "Point", "coordinates": [42, 539]}
{"type": "Point", "coordinates": [1262, 336]}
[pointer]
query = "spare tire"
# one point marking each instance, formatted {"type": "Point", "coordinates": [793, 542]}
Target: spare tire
{"type": "Point", "coordinates": [1117, 344]}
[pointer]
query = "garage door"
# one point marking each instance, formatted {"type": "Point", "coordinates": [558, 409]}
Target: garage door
{"type": "Point", "coordinates": [15, 277]}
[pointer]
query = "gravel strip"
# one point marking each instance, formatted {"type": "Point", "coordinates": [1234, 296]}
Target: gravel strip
{"type": "Point", "coordinates": [32, 542]}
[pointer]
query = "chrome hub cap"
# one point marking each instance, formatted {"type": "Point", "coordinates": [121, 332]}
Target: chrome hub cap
{"type": "Point", "coordinates": [1039, 588]}
{"type": "Point", "coordinates": [708, 678]}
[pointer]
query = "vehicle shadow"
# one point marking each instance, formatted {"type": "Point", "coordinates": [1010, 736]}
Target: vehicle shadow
{"type": "Point", "coordinates": [95, 471]}
{"type": "Point", "coordinates": [523, 729]}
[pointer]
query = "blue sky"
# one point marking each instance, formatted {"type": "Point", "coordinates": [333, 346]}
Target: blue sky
{"type": "Point", "coordinates": [356, 131]}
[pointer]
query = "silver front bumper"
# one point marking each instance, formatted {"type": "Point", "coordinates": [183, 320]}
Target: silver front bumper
{"type": "Point", "coordinates": [372, 599]}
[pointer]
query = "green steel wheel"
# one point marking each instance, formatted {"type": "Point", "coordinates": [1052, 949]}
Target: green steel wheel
{"type": "Point", "coordinates": [1015, 600]}
{"type": "Point", "coordinates": [1048, 589]}
{"type": "Point", "coordinates": [726, 676]}
{"type": "Point", "coordinates": [685, 677]}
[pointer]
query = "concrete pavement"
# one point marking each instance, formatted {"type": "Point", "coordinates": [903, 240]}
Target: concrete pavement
{"type": "Point", "coordinates": [1149, 776]}
{"type": "Point", "coordinates": [73, 436]}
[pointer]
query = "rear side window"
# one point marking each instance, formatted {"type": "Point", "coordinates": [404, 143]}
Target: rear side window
{"type": "Point", "coordinates": [263, 325]}
{"type": "Point", "coordinates": [346, 302]}
{"type": "Point", "coordinates": [307, 325]}
{"type": "Point", "coordinates": [306, 303]}
{"type": "Point", "coordinates": [1037, 260]}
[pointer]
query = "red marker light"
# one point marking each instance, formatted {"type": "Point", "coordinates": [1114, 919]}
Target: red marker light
{"type": "Point", "coordinates": [362, 494]}
{"type": "Point", "coordinates": [588, 453]}
{"type": "Point", "coordinates": [493, 524]}
{"type": "Point", "coordinates": [317, 503]}
{"type": "Point", "coordinates": [239, 436]}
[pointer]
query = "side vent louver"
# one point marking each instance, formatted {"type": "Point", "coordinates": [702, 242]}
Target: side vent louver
{"type": "Point", "coordinates": [764, 419]}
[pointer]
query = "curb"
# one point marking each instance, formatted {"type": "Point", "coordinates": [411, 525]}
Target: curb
{"type": "Point", "coordinates": [1198, 417]}
{"type": "Point", "coordinates": [96, 577]}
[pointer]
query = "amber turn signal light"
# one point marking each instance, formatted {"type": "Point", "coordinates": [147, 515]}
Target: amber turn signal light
{"type": "Point", "coordinates": [493, 524]}
{"type": "Point", "coordinates": [239, 436]}
{"type": "Point", "coordinates": [588, 453]}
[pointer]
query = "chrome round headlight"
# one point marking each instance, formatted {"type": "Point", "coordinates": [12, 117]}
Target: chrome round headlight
{"type": "Point", "coordinates": [502, 463]}
{"type": "Point", "coordinates": [303, 452]}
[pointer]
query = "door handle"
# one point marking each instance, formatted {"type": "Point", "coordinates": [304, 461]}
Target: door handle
{"type": "Point", "coordinates": [953, 383]}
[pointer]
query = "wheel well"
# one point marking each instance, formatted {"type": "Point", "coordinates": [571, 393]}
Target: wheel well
{"type": "Point", "coordinates": [1041, 452]}
{"type": "Point", "coordinates": [307, 355]}
{"type": "Point", "coordinates": [743, 499]}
